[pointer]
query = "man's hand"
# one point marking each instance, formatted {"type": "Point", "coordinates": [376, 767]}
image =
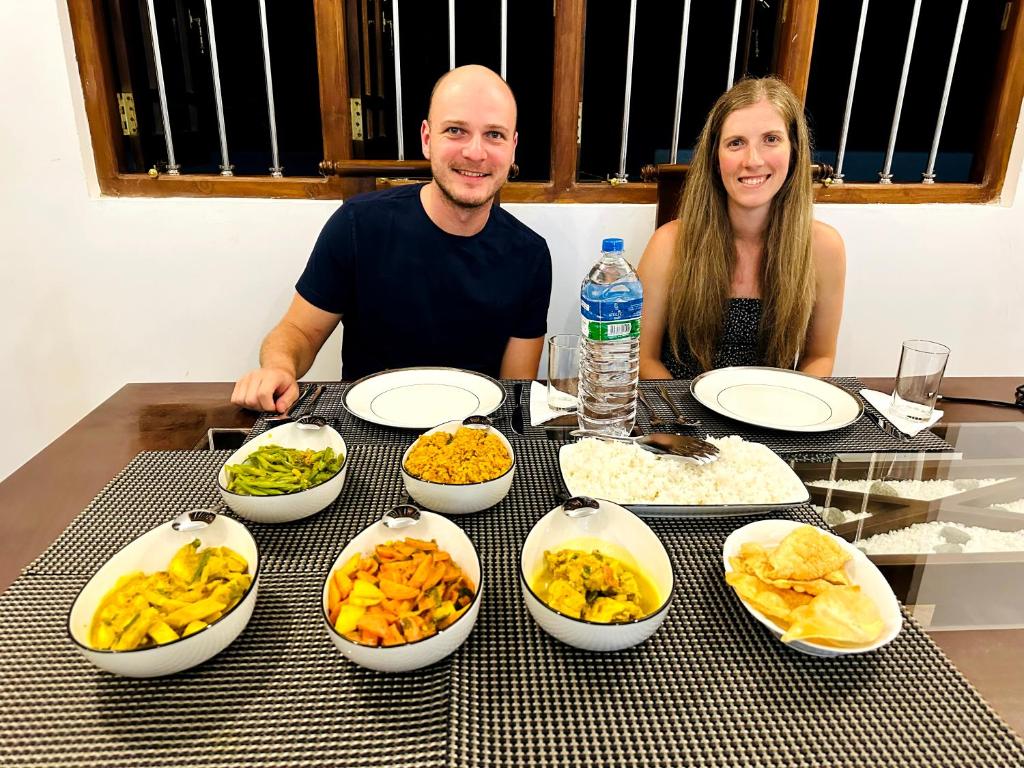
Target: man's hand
{"type": "Point", "coordinates": [266, 389]}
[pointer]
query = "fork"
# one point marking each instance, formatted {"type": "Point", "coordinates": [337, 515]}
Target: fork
{"type": "Point", "coordinates": [679, 420]}
{"type": "Point", "coordinates": [654, 419]}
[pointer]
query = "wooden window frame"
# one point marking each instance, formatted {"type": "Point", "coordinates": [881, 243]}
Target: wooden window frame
{"type": "Point", "coordinates": [347, 175]}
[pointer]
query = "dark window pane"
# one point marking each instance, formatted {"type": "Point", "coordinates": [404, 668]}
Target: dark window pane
{"type": "Point", "coordinates": [187, 67]}
{"type": "Point", "coordinates": [655, 69]}
{"type": "Point", "coordinates": [881, 64]}
{"type": "Point", "coordinates": [423, 31]}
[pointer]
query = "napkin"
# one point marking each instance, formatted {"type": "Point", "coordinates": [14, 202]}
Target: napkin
{"type": "Point", "coordinates": [883, 404]}
{"type": "Point", "coordinates": [539, 411]}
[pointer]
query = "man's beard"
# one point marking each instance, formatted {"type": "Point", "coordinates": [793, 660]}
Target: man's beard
{"type": "Point", "coordinates": [464, 204]}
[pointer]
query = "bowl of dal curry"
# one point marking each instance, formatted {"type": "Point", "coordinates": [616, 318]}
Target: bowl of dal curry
{"type": "Point", "coordinates": [595, 576]}
{"type": "Point", "coordinates": [456, 470]}
{"type": "Point", "coordinates": [168, 600]}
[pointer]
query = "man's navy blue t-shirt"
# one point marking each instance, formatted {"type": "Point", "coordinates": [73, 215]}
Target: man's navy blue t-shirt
{"type": "Point", "coordinates": [411, 294]}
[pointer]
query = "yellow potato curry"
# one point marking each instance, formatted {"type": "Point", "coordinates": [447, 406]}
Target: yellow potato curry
{"type": "Point", "coordinates": [594, 586]}
{"type": "Point", "coordinates": [198, 587]}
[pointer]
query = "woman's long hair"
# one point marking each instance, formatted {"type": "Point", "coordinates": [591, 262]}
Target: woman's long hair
{"type": "Point", "coordinates": [705, 252]}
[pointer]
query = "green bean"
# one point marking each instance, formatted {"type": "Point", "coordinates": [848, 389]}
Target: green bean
{"type": "Point", "coordinates": [273, 470]}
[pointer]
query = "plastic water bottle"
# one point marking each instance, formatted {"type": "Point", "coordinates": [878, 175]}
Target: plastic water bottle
{"type": "Point", "coordinates": [611, 299]}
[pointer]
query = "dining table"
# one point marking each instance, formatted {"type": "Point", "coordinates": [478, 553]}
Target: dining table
{"type": "Point", "coordinates": [710, 687]}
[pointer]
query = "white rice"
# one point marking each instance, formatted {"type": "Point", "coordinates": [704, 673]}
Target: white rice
{"type": "Point", "coordinates": [1011, 506]}
{"type": "Point", "coordinates": [928, 538]}
{"type": "Point", "coordinates": [922, 490]}
{"type": "Point", "coordinates": [745, 473]}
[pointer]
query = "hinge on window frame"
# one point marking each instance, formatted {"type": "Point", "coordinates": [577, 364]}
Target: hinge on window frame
{"type": "Point", "coordinates": [579, 124]}
{"type": "Point", "coordinates": [126, 109]}
{"type": "Point", "coordinates": [356, 109]}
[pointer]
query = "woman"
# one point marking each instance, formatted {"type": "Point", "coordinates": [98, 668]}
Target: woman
{"type": "Point", "coordinates": [745, 275]}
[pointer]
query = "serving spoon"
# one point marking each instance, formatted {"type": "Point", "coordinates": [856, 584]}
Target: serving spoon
{"type": "Point", "coordinates": [663, 444]}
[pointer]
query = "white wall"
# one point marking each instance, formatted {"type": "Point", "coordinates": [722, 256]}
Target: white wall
{"type": "Point", "coordinates": [100, 292]}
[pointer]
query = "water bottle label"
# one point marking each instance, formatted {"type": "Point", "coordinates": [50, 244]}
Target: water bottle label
{"type": "Point", "coordinates": [610, 320]}
{"type": "Point", "coordinates": [615, 331]}
{"type": "Point", "coordinates": [611, 311]}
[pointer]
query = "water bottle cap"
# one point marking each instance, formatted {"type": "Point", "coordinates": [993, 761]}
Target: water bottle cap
{"type": "Point", "coordinates": [612, 244]}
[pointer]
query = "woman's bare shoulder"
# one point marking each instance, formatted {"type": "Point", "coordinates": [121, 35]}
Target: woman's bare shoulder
{"type": "Point", "coordinates": [661, 246]}
{"type": "Point", "coordinates": [826, 240]}
{"type": "Point", "coordinates": [828, 250]}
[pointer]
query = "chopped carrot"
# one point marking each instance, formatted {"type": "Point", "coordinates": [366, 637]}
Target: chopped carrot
{"type": "Point", "coordinates": [393, 636]}
{"type": "Point", "coordinates": [436, 574]}
{"type": "Point", "coordinates": [397, 591]}
{"type": "Point", "coordinates": [427, 546]}
{"type": "Point", "coordinates": [403, 592]}
{"type": "Point", "coordinates": [423, 570]}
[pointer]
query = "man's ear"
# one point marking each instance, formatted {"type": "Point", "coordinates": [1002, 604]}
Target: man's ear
{"type": "Point", "coordinates": [515, 143]}
{"type": "Point", "coordinates": [425, 139]}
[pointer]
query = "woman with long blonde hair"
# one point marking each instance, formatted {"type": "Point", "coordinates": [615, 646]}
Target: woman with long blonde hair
{"type": "Point", "coordinates": [745, 275]}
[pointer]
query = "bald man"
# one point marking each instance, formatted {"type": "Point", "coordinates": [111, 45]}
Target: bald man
{"type": "Point", "coordinates": [431, 274]}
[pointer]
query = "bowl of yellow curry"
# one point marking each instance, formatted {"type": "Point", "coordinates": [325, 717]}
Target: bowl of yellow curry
{"type": "Point", "coordinates": [169, 600]}
{"type": "Point", "coordinates": [456, 469]}
{"type": "Point", "coordinates": [595, 576]}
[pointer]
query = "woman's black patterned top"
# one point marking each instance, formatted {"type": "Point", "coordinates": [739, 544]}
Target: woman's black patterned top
{"type": "Point", "coordinates": [739, 344]}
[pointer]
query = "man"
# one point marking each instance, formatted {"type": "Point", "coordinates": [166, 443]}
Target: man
{"type": "Point", "coordinates": [422, 275]}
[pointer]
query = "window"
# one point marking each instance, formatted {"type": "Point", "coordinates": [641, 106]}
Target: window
{"type": "Point", "coordinates": [335, 121]}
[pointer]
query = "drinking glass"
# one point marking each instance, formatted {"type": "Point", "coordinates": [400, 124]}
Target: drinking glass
{"type": "Point", "coordinates": [922, 364]}
{"type": "Point", "coordinates": [563, 371]}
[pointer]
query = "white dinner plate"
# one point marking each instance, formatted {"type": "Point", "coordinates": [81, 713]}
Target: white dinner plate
{"type": "Point", "coordinates": [420, 398]}
{"type": "Point", "coordinates": [862, 572]}
{"type": "Point", "coordinates": [777, 399]}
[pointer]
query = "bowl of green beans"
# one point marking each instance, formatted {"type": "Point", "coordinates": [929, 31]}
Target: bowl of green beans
{"type": "Point", "coordinates": [286, 473]}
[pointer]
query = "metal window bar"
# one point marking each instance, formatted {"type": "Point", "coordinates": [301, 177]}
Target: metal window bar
{"type": "Point", "coordinates": [226, 169]}
{"type": "Point", "coordinates": [451, 34]}
{"type": "Point", "coordinates": [276, 170]}
{"type": "Point", "coordinates": [885, 175]}
{"type": "Point", "coordinates": [398, 80]}
{"type": "Point", "coordinates": [504, 39]}
{"type": "Point", "coordinates": [173, 169]}
{"type": "Point", "coordinates": [928, 177]}
{"type": "Point", "coordinates": [857, 49]}
{"type": "Point", "coordinates": [735, 45]}
{"type": "Point", "coordinates": [621, 175]}
{"type": "Point", "coordinates": [677, 115]}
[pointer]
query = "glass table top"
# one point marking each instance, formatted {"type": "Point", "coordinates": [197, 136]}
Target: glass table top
{"type": "Point", "coordinates": [946, 530]}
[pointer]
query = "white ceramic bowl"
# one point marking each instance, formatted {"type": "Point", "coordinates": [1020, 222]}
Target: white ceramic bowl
{"type": "Point", "coordinates": [617, 532]}
{"type": "Point", "coordinates": [395, 526]}
{"type": "Point", "coordinates": [289, 506]}
{"type": "Point", "coordinates": [451, 499]}
{"type": "Point", "coordinates": [768, 533]}
{"type": "Point", "coordinates": [150, 553]}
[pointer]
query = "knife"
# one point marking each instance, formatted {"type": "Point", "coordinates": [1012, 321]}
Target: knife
{"type": "Point", "coordinates": [517, 411]}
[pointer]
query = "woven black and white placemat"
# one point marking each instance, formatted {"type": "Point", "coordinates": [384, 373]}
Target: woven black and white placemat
{"type": "Point", "coordinates": [280, 695]}
{"type": "Point", "coordinates": [710, 687]}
